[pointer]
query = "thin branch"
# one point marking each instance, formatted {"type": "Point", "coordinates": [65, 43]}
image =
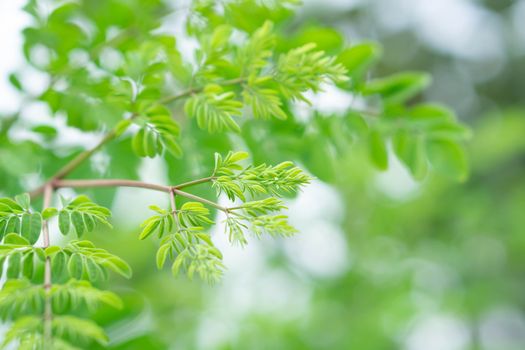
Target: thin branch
{"type": "Point", "coordinates": [136, 184]}
{"type": "Point", "coordinates": [74, 163]}
{"type": "Point", "coordinates": [195, 90]}
{"type": "Point", "coordinates": [195, 182]}
{"type": "Point", "coordinates": [48, 310]}
{"type": "Point", "coordinates": [79, 159]}
{"type": "Point", "coordinates": [110, 183]}
{"type": "Point", "coordinates": [174, 209]}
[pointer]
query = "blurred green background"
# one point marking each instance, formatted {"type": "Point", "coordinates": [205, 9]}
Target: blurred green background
{"type": "Point", "coordinates": [381, 261]}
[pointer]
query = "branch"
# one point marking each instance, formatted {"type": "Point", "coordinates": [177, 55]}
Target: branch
{"type": "Point", "coordinates": [74, 163]}
{"type": "Point", "coordinates": [136, 184]}
{"type": "Point", "coordinates": [110, 183]}
{"type": "Point", "coordinates": [199, 199]}
{"type": "Point", "coordinates": [48, 310]}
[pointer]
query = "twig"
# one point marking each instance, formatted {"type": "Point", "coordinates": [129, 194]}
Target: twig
{"type": "Point", "coordinates": [73, 164]}
{"type": "Point", "coordinates": [110, 183]}
{"type": "Point", "coordinates": [174, 209]}
{"type": "Point", "coordinates": [195, 182]}
{"type": "Point", "coordinates": [79, 159]}
{"type": "Point", "coordinates": [48, 310]}
{"type": "Point", "coordinates": [136, 184]}
{"type": "Point", "coordinates": [188, 92]}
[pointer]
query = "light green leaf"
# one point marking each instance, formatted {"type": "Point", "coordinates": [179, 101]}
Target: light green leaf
{"type": "Point", "coordinates": [378, 150]}
{"type": "Point", "coordinates": [398, 88]}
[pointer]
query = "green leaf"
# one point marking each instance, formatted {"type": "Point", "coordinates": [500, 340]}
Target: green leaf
{"type": "Point", "coordinates": [70, 326]}
{"type": "Point", "coordinates": [24, 200]}
{"type": "Point", "coordinates": [378, 151]}
{"type": "Point", "coordinates": [149, 229]}
{"type": "Point", "coordinates": [31, 226]}
{"type": "Point", "coordinates": [28, 266]}
{"type": "Point", "coordinates": [13, 238]}
{"type": "Point", "coordinates": [78, 223]}
{"type": "Point", "coordinates": [64, 222]}
{"type": "Point", "coordinates": [122, 126]}
{"type": "Point", "coordinates": [265, 102]}
{"type": "Point", "coordinates": [357, 59]}
{"type": "Point", "coordinates": [49, 251]}
{"type": "Point", "coordinates": [138, 143]}
{"type": "Point", "coordinates": [92, 269]}
{"type": "Point", "coordinates": [162, 255]}
{"type": "Point", "coordinates": [304, 68]}
{"type": "Point", "coordinates": [411, 151]}
{"type": "Point", "coordinates": [214, 109]}
{"type": "Point", "coordinates": [58, 264]}
{"type": "Point", "coordinates": [448, 158]}
{"type": "Point", "coordinates": [48, 213]}
{"type": "Point", "coordinates": [75, 266]}
{"type": "Point", "coordinates": [13, 269]}
{"type": "Point", "coordinates": [398, 88]}
{"type": "Point", "coordinates": [13, 225]}
{"type": "Point", "coordinates": [11, 204]}
{"type": "Point", "coordinates": [119, 266]}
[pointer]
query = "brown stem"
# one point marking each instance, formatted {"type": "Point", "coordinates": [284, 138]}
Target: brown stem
{"type": "Point", "coordinates": [110, 183]}
{"type": "Point", "coordinates": [73, 164]}
{"type": "Point", "coordinates": [48, 310]}
{"type": "Point", "coordinates": [132, 183]}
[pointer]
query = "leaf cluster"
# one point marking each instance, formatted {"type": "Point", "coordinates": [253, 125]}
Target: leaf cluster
{"type": "Point", "coordinates": [184, 241]}
{"type": "Point", "coordinates": [80, 214]}
{"type": "Point", "coordinates": [235, 181]}
{"type": "Point", "coordinates": [17, 217]}
{"type": "Point", "coordinates": [158, 132]}
{"type": "Point", "coordinates": [77, 264]}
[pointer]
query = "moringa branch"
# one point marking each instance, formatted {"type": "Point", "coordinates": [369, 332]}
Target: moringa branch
{"type": "Point", "coordinates": [139, 184]}
{"type": "Point", "coordinates": [74, 163]}
{"type": "Point", "coordinates": [79, 159]}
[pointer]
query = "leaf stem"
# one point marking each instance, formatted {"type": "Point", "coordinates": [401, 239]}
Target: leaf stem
{"type": "Point", "coordinates": [174, 210]}
{"type": "Point", "coordinates": [195, 90]}
{"type": "Point", "coordinates": [195, 182]}
{"type": "Point", "coordinates": [199, 199]}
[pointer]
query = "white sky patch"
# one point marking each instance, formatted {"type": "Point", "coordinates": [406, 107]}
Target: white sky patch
{"type": "Point", "coordinates": [130, 206]}
{"type": "Point", "coordinates": [502, 328]}
{"type": "Point", "coordinates": [249, 286]}
{"type": "Point", "coordinates": [331, 100]}
{"type": "Point", "coordinates": [438, 332]}
{"type": "Point", "coordinates": [320, 247]}
{"type": "Point", "coordinates": [336, 4]}
{"type": "Point", "coordinates": [459, 27]}
{"type": "Point", "coordinates": [12, 21]}
{"type": "Point", "coordinates": [518, 21]}
{"type": "Point", "coordinates": [396, 182]}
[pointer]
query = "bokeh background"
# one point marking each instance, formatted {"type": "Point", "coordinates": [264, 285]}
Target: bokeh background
{"type": "Point", "coordinates": [381, 261]}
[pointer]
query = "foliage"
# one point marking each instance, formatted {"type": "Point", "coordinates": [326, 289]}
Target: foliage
{"type": "Point", "coordinates": [125, 77]}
